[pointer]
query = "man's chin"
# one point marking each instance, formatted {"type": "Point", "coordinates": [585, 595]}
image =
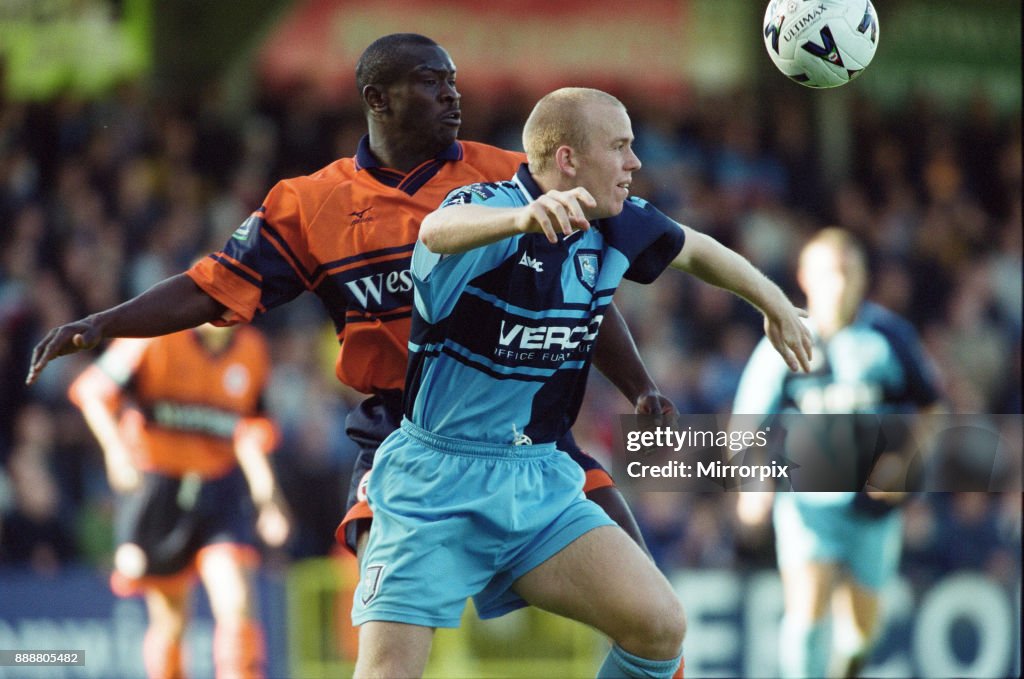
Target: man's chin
{"type": "Point", "coordinates": [448, 136]}
{"type": "Point", "coordinates": [613, 210]}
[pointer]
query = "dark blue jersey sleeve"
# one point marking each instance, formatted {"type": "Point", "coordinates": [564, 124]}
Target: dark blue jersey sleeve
{"type": "Point", "coordinates": [920, 384]}
{"type": "Point", "coordinates": [647, 237]}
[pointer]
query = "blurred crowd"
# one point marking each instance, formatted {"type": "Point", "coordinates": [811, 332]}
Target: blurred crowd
{"type": "Point", "coordinates": [101, 199]}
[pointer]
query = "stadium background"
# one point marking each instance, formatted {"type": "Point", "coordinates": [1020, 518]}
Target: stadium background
{"type": "Point", "coordinates": [135, 134]}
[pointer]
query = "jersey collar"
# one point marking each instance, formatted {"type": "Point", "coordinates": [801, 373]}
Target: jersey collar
{"type": "Point", "coordinates": [526, 183]}
{"type": "Point", "coordinates": [365, 159]}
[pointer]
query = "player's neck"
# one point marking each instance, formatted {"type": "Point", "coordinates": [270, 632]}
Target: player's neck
{"type": "Point", "coordinates": [828, 325]}
{"type": "Point", "coordinates": [215, 341]}
{"type": "Point", "coordinates": [398, 155]}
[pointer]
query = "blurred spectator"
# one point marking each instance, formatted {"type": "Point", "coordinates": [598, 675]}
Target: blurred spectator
{"type": "Point", "coordinates": [987, 530]}
{"type": "Point", "coordinates": [35, 527]}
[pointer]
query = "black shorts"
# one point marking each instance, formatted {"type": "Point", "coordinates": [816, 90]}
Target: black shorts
{"type": "Point", "coordinates": [368, 425]}
{"type": "Point", "coordinates": [171, 518]}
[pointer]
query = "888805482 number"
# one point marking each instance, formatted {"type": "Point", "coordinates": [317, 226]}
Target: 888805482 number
{"type": "Point", "coordinates": [41, 658]}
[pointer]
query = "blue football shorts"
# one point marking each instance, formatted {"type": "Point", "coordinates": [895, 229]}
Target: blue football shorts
{"type": "Point", "coordinates": [812, 530]}
{"type": "Point", "coordinates": [457, 519]}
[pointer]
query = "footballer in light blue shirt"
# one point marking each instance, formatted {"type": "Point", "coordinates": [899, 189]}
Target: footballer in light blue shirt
{"type": "Point", "coordinates": [470, 496]}
{"type": "Point", "coordinates": [867, 360]}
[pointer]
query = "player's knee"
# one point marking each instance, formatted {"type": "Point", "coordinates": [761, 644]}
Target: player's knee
{"type": "Point", "coordinates": [392, 650]}
{"type": "Point", "coordinates": [660, 632]}
{"type": "Point", "coordinates": [671, 628]}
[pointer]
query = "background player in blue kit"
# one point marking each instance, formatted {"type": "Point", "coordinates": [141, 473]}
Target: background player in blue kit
{"type": "Point", "coordinates": [471, 496]}
{"type": "Point", "coordinates": [838, 546]}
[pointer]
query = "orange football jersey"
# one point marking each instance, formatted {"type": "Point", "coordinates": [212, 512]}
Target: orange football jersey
{"type": "Point", "coordinates": [346, 233]}
{"type": "Point", "coordinates": [181, 402]}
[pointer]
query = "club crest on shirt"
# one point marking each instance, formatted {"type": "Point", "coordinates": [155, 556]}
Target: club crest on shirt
{"type": "Point", "coordinates": [587, 265]}
{"type": "Point", "coordinates": [236, 379]}
{"type": "Point", "coordinates": [370, 583]}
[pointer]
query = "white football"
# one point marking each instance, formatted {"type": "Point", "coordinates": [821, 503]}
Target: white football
{"type": "Point", "coordinates": [821, 43]}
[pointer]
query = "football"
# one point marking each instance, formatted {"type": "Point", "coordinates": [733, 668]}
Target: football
{"type": "Point", "coordinates": [821, 43]}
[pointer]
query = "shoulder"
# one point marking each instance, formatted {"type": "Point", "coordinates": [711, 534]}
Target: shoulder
{"type": "Point", "coordinates": [481, 162]}
{"type": "Point", "coordinates": [640, 226]}
{"type": "Point", "coordinates": [898, 334]}
{"type": "Point", "coordinates": [318, 187]}
{"type": "Point", "coordinates": [636, 208]}
{"type": "Point", "coordinates": [887, 322]}
{"type": "Point", "coordinates": [477, 152]}
{"type": "Point", "coordinates": [501, 193]}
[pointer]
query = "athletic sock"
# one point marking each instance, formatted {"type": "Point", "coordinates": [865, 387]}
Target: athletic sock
{"type": "Point", "coordinates": [851, 649]}
{"type": "Point", "coordinates": [621, 664]}
{"type": "Point", "coordinates": [803, 648]}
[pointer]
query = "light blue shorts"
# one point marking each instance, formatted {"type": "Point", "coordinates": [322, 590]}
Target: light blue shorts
{"type": "Point", "coordinates": [456, 519]}
{"type": "Point", "coordinates": [807, 530]}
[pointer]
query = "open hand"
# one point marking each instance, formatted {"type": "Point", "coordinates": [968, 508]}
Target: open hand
{"type": "Point", "coordinates": [790, 337]}
{"type": "Point", "coordinates": [656, 404]}
{"type": "Point", "coordinates": [67, 339]}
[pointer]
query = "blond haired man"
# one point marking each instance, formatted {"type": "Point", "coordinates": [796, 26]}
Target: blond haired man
{"type": "Point", "coordinates": [470, 496]}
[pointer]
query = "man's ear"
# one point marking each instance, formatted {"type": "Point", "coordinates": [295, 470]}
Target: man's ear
{"type": "Point", "coordinates": [376, 98]}
{"type": "Point", "coordinates": [565, 159]}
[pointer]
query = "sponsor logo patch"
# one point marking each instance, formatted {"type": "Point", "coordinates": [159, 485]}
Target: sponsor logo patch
{"type": "Point", "coordinates": [532, 263]}
{"type": "Point", "coordinates": [360, 216]}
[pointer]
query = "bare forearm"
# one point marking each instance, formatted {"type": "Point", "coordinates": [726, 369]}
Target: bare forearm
{"type": "Point", "coordinates": [459, 228]}
{"type": "Point", "coordinates": [616, 356]}
{"type": "Point", "coordinates": [258, 474]}
{"type": "Point", "coordinates": [717, 265]}
{"type": "Point", "coordinates": [104, 427]}
{"type": "Point", "coordinates": [169, 306]}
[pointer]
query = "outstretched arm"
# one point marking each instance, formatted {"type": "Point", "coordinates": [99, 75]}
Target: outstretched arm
{"type": "Point", "coordinates": [712, 262]}
{"type": "Point", "coordinates": [174, 304]}
{"type": "Point", "coordinates": [616, 356]}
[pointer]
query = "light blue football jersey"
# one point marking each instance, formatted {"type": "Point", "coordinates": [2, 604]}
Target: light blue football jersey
{"type": "Point", "coordinates": [502, 335]}
{"type": "Point", "coordinates": [875, 365]}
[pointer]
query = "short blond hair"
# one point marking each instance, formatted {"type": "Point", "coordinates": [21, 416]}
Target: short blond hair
{"type": "Point", "coordinates": [559, 119]}
{"type": "Point", "coordinates": [841, 241]}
